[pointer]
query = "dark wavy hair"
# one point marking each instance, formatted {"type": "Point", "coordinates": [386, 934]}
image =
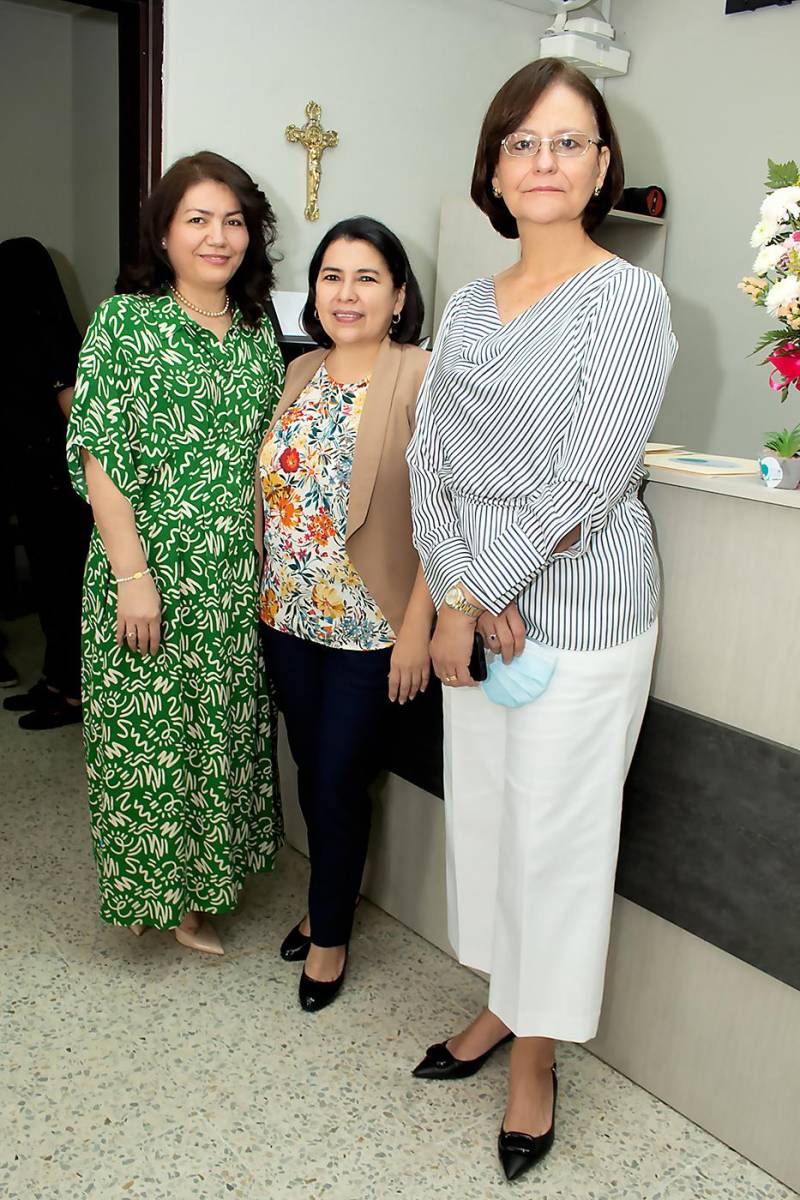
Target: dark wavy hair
{"type": "Point", "coordinates": [389, 246]}
{"type": "Point", "coordinates": [152, 274]}
{"type": "Point", "coordinates": [510, 107]}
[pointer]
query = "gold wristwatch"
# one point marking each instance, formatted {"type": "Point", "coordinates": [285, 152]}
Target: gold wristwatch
{"type": "Point", "coordinates": [455, 598]}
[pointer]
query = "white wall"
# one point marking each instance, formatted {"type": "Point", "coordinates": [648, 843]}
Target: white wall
{"type": "Point", "coordinates": [58, 140]}
{"type": "Point", "coordinates": [405, 84]}
{"type": "Point", "coordinates": [707, 100]}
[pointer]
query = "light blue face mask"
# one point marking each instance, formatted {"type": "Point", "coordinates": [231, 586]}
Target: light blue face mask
{"type": "Point", "coordinates": [525, 678]}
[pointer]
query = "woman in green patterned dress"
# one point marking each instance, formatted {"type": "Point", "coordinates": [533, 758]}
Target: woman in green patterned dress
{"type": "Point", "coordinates": [177, 380]}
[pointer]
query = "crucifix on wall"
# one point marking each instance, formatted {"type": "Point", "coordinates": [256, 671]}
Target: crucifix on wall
{"type": "Point", "coordinates": [316, 141]}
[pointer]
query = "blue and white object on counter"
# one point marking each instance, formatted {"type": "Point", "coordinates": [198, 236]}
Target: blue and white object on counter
{"type": "Point", "coordinates": [780, 472]}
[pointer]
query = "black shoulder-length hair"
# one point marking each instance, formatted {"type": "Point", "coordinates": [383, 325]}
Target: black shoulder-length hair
{"type": "Point", "coordinates": [389, 246]}
{"type": "Point", "coordinates": [510, 107]}
{"type": "Point", "coordinates": [152, 274]}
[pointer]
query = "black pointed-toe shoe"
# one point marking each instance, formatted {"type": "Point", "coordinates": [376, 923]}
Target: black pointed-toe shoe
{"type": "Point", "coordinates": [316, 994]}
{"type": "Point", "coordinates": [439, 1063]}
{"type": "Point", "coordinates": [294, 947]}
{"type": "Point", "coordinates": [518, 1152]}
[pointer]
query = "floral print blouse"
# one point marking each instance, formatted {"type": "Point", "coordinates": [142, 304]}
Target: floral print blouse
{"type": "Point", "coordinates": [309, 587]}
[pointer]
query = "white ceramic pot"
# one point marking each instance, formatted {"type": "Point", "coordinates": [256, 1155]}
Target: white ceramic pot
{"type": "Point", "coordinates": [778, 472]}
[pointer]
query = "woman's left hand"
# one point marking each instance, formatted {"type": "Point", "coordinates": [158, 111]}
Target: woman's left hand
{"type": "Point", "coordinates": [451, 647]}
{"type": "Point", "coordinates": [410, 669]}
{"type": "Point", "coordinates": [505, 633]}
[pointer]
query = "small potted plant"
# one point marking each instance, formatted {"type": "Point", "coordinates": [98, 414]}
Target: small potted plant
{"type": "Point", "coordinates": [775, 286]}
{"type": "Point", "coordinates": [780, 464]}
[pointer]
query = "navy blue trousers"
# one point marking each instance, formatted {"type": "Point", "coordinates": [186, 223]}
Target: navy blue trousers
{"type": "Point", "coordinates": [335, 704]}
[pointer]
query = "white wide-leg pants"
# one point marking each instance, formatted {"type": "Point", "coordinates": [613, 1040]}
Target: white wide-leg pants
{"type": "Point", "coordinates": [533, 797]}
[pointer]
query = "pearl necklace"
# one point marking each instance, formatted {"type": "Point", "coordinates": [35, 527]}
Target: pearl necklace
{"type": "Point", "coordinates": [204, 312]}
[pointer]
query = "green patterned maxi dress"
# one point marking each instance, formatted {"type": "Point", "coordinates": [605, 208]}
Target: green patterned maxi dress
{"type": "Point", "coordinates": [178, 744]}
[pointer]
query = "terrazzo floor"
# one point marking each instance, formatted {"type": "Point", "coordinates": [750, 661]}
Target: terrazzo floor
{"type": "Point", "coordinates": [135, 1069]}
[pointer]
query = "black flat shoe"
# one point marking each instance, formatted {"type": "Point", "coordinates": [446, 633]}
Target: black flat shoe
{"type": "Point", "coordinates": [518, 1152]}
{"type": "Point", "coordinates": [315, 994]}
{"type": "Point", "coordinates": [294, 947]}
{"type": "Point", "coordinates": [39, 696]}
{"type": "Point", "coordinates": [59, 714]}
{"type": "Point", "coordinates": [439, 1063]}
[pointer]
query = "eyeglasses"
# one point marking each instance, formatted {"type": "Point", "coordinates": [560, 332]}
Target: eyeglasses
{"type": "Point", "coordinates": [565, 145]}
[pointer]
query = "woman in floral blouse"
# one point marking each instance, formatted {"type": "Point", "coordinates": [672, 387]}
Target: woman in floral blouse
{"type": "Point", "coordinates": [346, 614]}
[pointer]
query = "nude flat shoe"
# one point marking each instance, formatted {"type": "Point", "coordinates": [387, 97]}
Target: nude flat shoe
{"type": "Point", "coordinates": [137, 929]}
{"type": "Point", "coordinates": [206, 939]}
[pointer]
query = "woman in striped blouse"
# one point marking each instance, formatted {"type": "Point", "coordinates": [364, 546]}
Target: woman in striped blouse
{"type": "Point", "coordinates": [526, 466]}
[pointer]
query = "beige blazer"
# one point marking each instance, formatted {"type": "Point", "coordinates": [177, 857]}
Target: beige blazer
{"type": "Point", "coordinates": [378, 536]}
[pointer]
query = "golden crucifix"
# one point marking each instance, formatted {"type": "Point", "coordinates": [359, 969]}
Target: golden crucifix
{"type": "Point", "coordinates": [316, 141]}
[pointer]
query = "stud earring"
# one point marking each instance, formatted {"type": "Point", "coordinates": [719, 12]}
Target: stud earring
{"type": "Point", "coordinates": [316, 315]}
{"type": "Point", "coordinates": [496, 191]}
{"type": "Point", "coordinates": [598, 189]}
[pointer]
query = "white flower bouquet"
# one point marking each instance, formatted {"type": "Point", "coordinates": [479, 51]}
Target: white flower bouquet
{"type": "Point", "coordinates": [775, 282]}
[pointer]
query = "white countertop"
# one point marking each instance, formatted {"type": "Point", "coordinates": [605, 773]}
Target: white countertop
{"type": "Point", "coordinates": [744, 487]}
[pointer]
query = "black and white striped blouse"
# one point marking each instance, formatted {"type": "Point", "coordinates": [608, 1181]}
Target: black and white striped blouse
{"type": "Point", "coordinates": [529, 429]}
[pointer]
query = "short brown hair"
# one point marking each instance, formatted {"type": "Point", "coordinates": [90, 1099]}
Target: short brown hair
{"type": "Point", "coordinates": [511, 105]}
{"type": "Point", "coordinates": [152, 273]}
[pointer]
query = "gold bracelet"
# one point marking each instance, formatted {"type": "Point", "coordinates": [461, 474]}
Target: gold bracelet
{"type": "Point", "coordinates": [136, 575]}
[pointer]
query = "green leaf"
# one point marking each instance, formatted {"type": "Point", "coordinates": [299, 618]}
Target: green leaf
{"type": "Point", "coordinates": [782, 174]}
{"type": "Point", "coordinates": [786, 443]}
{"type": "Point", "coordinates": [766, 339]}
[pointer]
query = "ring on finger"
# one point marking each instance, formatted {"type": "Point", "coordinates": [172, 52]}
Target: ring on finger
{"type": "Point", "coordinates": [450, 678]}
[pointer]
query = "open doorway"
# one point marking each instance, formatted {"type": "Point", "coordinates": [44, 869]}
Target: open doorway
{"type": "Point", "coordinates": [80, 147]}
{"type": "Point", "coordinates": [80, 84]}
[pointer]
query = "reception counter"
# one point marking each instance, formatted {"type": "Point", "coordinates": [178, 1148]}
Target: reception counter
{"type": "Point", "coordinates": [702, 1000]}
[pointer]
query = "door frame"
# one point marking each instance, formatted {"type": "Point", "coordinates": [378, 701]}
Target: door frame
{"type": "Point", "coordinates": [140, 43]}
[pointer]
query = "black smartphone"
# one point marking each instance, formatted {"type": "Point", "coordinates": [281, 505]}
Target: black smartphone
{"type": "Point", "coordinates": [477, 662]}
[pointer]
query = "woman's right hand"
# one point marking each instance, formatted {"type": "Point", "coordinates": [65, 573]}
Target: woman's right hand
{"type": "Point", "coordinates": [503, 634]}
{"type": "Point", "coordinates": [139, 615]}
